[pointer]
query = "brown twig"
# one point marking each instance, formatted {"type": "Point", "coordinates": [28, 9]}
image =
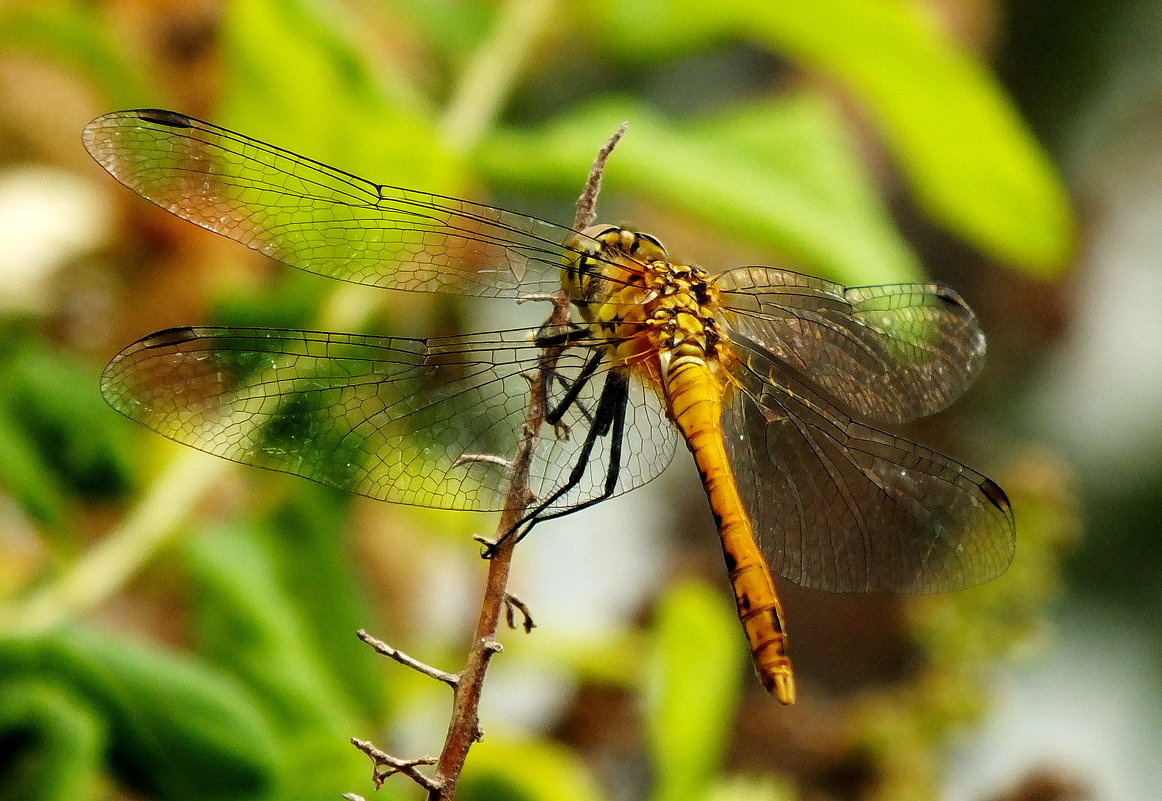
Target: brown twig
{"type": "Point", "coordinates": [587, 203]}
{"type": "Point", "coordinates": [381, 647]}
{"type": "Point", "coordinates": [386, 765]}
{"type": "Point", "coordinates": [464, 726]}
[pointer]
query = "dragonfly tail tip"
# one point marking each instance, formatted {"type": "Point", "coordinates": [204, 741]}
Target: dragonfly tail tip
{"type": "Point", "coordinates": [781, 684]}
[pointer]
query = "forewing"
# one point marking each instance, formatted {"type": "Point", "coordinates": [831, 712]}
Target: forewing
{"type": "Point", "coordinates": [888, 353]}
{"type": "Point", "coordinates": [424, 422]}
{"type": "Point", "coordinates": [322, 219]}
{"type": "Point", "coordinates": [843, 507]}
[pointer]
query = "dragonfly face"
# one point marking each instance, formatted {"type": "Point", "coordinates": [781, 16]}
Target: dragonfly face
{"type": "Point", "coordinates": [773, 379]}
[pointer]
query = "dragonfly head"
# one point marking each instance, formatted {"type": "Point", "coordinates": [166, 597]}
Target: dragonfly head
{"type": "Point", "coordinates": [603, 257]}
{"type": "Point", "coordinates": [613, 240]}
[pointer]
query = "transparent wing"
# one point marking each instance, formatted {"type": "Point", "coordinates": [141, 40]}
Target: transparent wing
{"type": "Point", "coordinates": [423, 422]}
{"type": "Point", "coordinates": [321, 219]}
{"type": "Point", "coordinates": [843, 507]}
{"type": "Point", "coordinates": [888, 353]}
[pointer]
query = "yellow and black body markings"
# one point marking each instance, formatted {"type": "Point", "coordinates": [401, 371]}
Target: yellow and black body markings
{"type": "Point", "coordinates": [663, 321]}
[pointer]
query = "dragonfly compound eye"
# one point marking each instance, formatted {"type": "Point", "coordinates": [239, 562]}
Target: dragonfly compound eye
{"type": "Point", "coordinates": [644, 247]}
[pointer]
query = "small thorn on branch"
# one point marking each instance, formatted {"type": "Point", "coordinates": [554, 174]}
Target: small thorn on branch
{"type": "Point", "coordinates": [451, 679]}
{"type": "Point", "coordinates": [512, 605]}
{"type": "Point", "coordinates": [385, 765]}
{"type": "Point", "coordinates": [489, 546]}
{"type": "Point", "coordinates": [538, 297]}
{"type": "Point", "coordinates": [486, 458]}
{"type": "Point", "coordinates": [560, 301]}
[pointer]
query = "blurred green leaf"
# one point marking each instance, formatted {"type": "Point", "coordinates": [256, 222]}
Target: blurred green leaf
{"type": "Point", "coordinates": [177, 728]}
{"type": "Point", "coordinates": [698, 661]}
{"type": "Point", "coordinates": [782, 173]}
{"type": "Point", "coordinates": [453, 30]}
{"type": "Point", "coordinates": [258, 589]}
{"type": "Point", "coordinates": [970, 159]}
{"type": "Point", "coordinates": [59, 404]}
{"type": "Point", "coordinates": [73, 34]}
{"type": "Point", "coordinates": [57, 436]}
{"type": "Point", "coordinates": [525, 771]}
{"type": "Point", "coordinates": [301, 85]}
{"type": "Point", "coordinates": [53, 742]}
{"type": "Point", "coordinates": [309, 539]}
{"type": "Point", "coordinates": [248, 622]}
{"type": "Point", "coordinates": [24, 474]}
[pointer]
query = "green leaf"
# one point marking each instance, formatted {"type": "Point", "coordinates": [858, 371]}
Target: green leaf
{"type": "Point", "coordinates": [59, 405]}
{"type": "Point", "coordinates": [300, 84]}
{"type": "Point", "coordinates": [54, 742]}
{"type": "Point", "coordinates": [526, 771]}
{"type": "Point", "coordinates": [57, 436]}
{"type": "Point", "coordinates": [698, 662]}
{"type": "Point", "coordinates": [24, 474]}
{"type": "Point", "coordinates": [75, 35]}
{"type": "Point", "coordinates": [248, 622]}
{"type": "Point", "coordinates": [969, 158]}
{"type": "Point", "coordinates": [311, 545]}
{"type": "Point", "coordinates": [177, 728]}
{"type": "Point", "coordinates": [303, 86]}
{"type": "Point", "coordinates": [277, 605]}
{"type": "Point", "coordinates": [781, 173]}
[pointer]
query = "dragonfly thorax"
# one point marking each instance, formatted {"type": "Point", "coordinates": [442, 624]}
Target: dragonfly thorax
{"type": "Point", "coordinates": [649, 308]}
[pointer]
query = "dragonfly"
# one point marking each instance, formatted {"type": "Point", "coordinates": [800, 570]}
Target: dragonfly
{"type": "Point", "coordinates": [778, 382]}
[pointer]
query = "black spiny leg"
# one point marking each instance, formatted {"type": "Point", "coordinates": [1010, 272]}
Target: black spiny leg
{"type": "Point", "coordinates": [574, 333]}
{"type": "Point", "coordinates": [581, 408]}
{"type": "Point", "coordinates": [556, 413]}
{"type": "Point", "coordinates": [609, 417]}
{"type": "Point", "coordinates": [613, 468]}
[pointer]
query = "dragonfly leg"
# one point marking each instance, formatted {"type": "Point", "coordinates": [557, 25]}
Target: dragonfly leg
{"type": "Point", "coordinates": [609, 421]}
{"type": "Point", "coordinates": [616, 424]}
{"type": "Point", "coordinates": [581, 408]}
{"type": "Point", "coordinates": [557, 412]}
{"type": "Point", "coordinates": [512, 605]}
{"type": "Point", "coordinates": [564, 338]}
{"type": "Point", "coordinates": [610, 417]}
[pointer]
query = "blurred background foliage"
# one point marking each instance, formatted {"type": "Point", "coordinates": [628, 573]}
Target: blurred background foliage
{"type": "Point", "coordinates": [172, 627]}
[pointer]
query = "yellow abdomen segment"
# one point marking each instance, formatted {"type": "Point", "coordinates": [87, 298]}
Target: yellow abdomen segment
{"type": "Point", "coordinates": [694, 399]}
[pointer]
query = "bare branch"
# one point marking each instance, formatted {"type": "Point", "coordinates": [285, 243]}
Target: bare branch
{"type": "Point", "coordinates": [464, 726]}
{"type": "Point", "coordinates": [536, 296]}
{"type": "Point", "coordinates": [464, 729]}
{"type": "Point", "coordinates": [386, 765]}
{"type": "Point", "coordinates": [587, 203]}
{"type": "Point", "coordinates": [399, 656]}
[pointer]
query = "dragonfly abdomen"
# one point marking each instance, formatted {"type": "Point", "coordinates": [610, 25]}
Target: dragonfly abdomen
{"type": "Point", "coordinates": [693, 394]}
